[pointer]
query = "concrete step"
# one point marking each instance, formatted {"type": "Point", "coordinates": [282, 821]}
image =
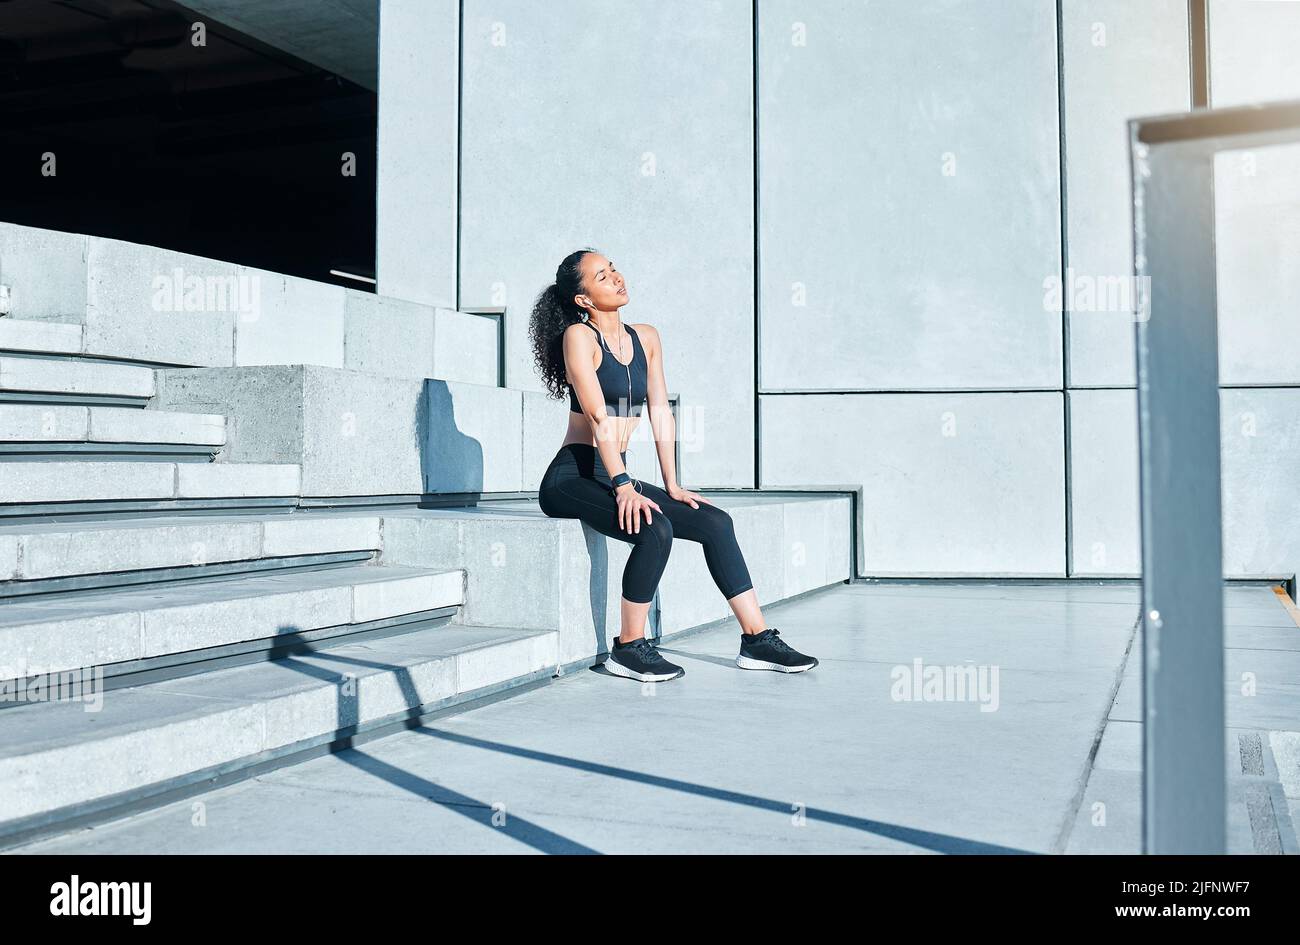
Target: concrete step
{"type": "Point", "coordinates": [116, 629]}
{"type": "Point", "coordinates": [17, 334]}
{"type": "Point", "coordinates": [36, 486]}
{"type": "Point", "coordinates": [35, 558]}
{"type": "Point", "coordinates": [145, 303]}
{"type": "Point", "coordinates": [68, 378]}
{"type": "Point", "coordinates": [527, 570]}
{"type": "Point", "coordinates": [357, 434]}
{"type": "Point", "coordinates": [28, 427]}
{"type": "Point", "coordinates": [64, 762]}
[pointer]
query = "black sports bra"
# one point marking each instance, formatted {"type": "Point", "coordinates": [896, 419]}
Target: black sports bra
{"type": "Point", "coordinates": [614, 375]}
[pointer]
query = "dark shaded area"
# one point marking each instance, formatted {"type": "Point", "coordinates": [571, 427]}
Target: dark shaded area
{"type": "Point", "coordinates": [232, 149]}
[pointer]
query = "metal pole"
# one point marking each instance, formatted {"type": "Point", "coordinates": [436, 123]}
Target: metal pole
{"type": "Point", "coordinates": [1184, 789]}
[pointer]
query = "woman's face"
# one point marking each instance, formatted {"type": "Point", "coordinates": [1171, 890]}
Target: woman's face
{"type": "Point", "coordinates": [603, 283]}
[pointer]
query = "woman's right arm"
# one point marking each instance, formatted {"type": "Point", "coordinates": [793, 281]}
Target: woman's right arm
{"type": "Point", "coordinates": [578, 351]}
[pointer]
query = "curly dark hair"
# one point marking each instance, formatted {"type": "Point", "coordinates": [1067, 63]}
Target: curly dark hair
{"type": "Point", "coordinates": [553, 312]}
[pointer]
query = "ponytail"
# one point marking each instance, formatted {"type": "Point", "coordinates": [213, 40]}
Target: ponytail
{"type": "Point", "coordinates": [553, 312]}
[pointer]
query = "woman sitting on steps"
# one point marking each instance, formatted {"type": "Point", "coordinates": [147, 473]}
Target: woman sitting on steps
{"type": "Point", "coordinates": [612, 370]}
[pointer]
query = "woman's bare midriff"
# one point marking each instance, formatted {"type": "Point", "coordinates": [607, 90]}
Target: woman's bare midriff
{"type": "Point", "coordinates": [580, 430]}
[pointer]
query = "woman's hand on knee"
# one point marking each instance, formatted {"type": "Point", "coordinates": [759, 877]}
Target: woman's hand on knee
{"type": "Point", "coordinates": [693, 499]}
{"type": "Point", "coordinates": [631, 505]}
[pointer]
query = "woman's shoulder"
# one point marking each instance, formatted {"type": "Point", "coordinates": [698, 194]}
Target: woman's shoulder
{"type": "Point", "coordinates": [646, 332]}
{"type": "Point", "coordinates": [579, 329]}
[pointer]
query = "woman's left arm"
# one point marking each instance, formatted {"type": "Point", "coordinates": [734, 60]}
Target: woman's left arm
{"type": "Point", "coordinates": [662, 422]}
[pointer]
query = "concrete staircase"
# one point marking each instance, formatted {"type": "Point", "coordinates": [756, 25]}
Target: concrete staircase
{"type": "Point", "coordinates": [191, 620]}
{"type": "Point", "coordinates": [54, 402]}
{"type": "Point", "coordinates": [63, 765]}
{"type": "Point", "coordinates": [218, 552]}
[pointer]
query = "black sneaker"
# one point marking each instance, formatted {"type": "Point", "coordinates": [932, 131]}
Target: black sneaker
{"type": "Point", "coordinates": [640, 660]}
{"type": "Point", "coordinates": [767, 650]}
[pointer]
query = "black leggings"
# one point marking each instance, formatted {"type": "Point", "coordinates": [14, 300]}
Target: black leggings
{"type": "Point", "coordinates": [577, 485]}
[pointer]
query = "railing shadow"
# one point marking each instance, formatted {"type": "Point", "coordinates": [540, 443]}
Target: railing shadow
{"type": "Point", "coordinates": [539, 838]}
{"type": "Point", "coordinates": [348, 715]}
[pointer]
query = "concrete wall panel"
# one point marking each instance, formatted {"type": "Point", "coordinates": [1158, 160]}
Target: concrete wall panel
{"type": "Point", "coordinates": [385, 335]}
{"type": "Point", "coordinates": [954, 484]}
{"type": "Point", "coordinates": [1104, 484]}
{"type": "Point", "coordinates": [357, 434]}
{"type": "Point", "coordinates": [1261, 471]}
{"type": "Point", "coordinates": [909, 198]}
{"type": "Point", "coordinates": [1121, 60]}
{"type": "Point", "coordinates": [416, 200]}
{"type": "Point", "coordinates": [1257, 248]}
{"type": "Point", "coordinates": [45, 271]}
{"type": "Point", "coordinates": [1253, 52]}
{"type": "Point", "coordinates": [625, 126]}
{"type": "Point", "coordinates": [1261, 467]}
{"type": "Point", "coordinates": [1253, 58]}
{"type": "Point", "coordinates": [159, 305]}
{"type": "Point", "coordinates": [299, 322]}
{"type": "Point", "coordinates": [465, 347]}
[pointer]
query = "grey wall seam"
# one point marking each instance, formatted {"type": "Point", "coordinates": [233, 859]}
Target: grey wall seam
{"type": "Point", "coordinates": [460, 137]}
{"type": "Point", "coordinates": [379, 105]}
{"type": "Point", "coordinates": [1062, 195]}
{"type": "Point", "coordinates": [758, 290]}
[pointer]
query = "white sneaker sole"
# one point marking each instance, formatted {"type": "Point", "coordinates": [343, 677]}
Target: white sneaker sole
{"type": "Point", "coordinates": [617, 669]}
{"type": "Point", "coordinates": [748, 662]}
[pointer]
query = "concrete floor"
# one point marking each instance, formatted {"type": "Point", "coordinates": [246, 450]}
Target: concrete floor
{"type": "Point", "coordinates": [833, 760]}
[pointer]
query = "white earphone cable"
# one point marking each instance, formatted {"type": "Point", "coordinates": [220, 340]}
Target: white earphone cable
{"type": "Point", "coordinates": [636, 483]}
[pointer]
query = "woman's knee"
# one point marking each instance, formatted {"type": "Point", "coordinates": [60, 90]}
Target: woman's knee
{"type": "Point", "coordinates": [657, 534]}
{"type": "Point", "coordinates": [653, 544]}
{"type": "Point", "coordinates": [659, 528]}
{"type": "Point", "coordinates": [718, 523]}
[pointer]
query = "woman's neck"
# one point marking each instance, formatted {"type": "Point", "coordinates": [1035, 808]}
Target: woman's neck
{"type": "Point", "coordinates": [607, 322]}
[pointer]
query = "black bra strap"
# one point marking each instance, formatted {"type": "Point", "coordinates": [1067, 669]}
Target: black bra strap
{"type": "Point", "coordinates": [630, 330]}
{"type": "Point", "coordinates": [588, 323]}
